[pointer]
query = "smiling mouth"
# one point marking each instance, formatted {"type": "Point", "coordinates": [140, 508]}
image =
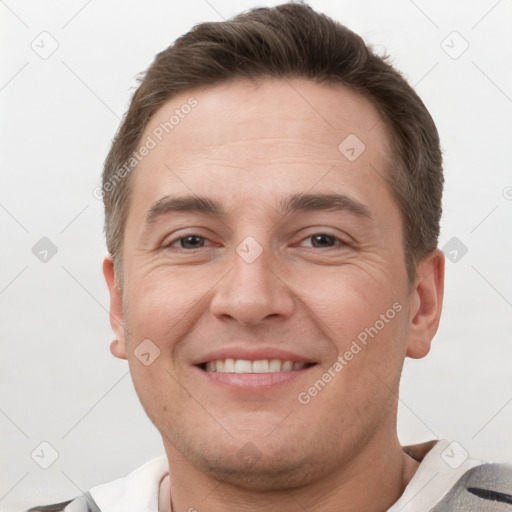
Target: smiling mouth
{"type": "Point", "coordinates": [245, 366]}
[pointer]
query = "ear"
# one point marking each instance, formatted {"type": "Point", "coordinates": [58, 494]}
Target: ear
{"type": "Point", "coordinates": [426, 302]}
{"type": "Point", "coordinates": [118, 346]}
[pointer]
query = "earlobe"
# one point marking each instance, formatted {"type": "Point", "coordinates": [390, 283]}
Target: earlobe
{"type": "Point", "coordinates": [118, 346]}
{"type": "Point", "coordinates": [118, 349]}
{"type": "Point", "coordinates": [426, 303]}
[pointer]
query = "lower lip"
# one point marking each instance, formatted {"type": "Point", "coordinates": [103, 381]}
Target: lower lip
{"type": "Point", "coordinates": [254, 381]}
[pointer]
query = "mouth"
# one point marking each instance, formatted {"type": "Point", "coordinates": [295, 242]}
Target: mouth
{"type": "Point", "coordinates": [252, 371]}
{"type": "Point", "coordinates": [245, 366]}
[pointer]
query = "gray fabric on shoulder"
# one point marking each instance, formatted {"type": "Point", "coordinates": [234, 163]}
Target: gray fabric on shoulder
{"type": "Point", "coordinates": [484, 488]}
{"type": "Point", "coordinates": [84, 503]}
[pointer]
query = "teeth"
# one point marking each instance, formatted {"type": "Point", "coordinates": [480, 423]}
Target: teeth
{"type": "Point", "coordinates": [287, 366]}
{"type": "Point", "coordinates": [260, 366]}
{"type": "Point", "coordinates": [246, 366]}
{"type": "Point", "coordinates": [242, 366]}
{"type": "Point", "coordinates": [274, 365]}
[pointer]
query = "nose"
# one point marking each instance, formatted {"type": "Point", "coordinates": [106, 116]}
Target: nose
{"type": "Point", "coordinates": [252, 291]}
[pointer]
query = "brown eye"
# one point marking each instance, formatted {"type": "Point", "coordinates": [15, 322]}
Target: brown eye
{"type": "Point", "coordinates": [323, 240]}
{"type": "Point", "coordinates": [191, 242]}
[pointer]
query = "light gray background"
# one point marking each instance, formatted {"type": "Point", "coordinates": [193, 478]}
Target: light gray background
{"type": "Point", "coordinates": [60, 383]}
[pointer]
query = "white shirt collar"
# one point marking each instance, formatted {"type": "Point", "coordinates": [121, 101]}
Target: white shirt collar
{"type": "Point", "coordinates": [136, 492]}
{"type": "Point", "coordinates": [437, 473]}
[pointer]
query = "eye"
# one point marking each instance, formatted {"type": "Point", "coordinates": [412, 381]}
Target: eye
{"type": "Point", "coordinates": [326, 240]}
{"type": "Point", "coordinates": [188, 242]}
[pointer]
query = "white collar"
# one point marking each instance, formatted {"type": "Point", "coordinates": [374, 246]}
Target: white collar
{"type": "Point", "coordinates": [136, 492]}
{"type": "Point", "coordinates": [437, 473]}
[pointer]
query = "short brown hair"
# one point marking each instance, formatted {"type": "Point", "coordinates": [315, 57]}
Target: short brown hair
{"type": "Point", "coordinates": [289, 41]}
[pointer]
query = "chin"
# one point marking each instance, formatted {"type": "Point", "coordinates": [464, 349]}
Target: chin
{"type": "Point", "coordinates": [264, 475]}
{"type": "Point", "coordinates": [273, 468]}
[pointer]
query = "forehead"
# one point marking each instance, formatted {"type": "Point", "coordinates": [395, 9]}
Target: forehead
{"type": "Point", "coordinates": [267, 107]}
{"type": "Point", "coordinates": [240, 135]}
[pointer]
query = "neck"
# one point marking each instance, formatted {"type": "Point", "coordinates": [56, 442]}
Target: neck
{"type": "Point", "coordinates": [371, 481]}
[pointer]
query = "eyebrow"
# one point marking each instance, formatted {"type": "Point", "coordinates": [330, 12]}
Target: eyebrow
{"type": "Point", "coordinates": [293, 204]}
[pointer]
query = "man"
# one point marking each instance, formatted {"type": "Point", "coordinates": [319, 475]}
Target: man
{"type": "Point", "coordinates": [272, 203]}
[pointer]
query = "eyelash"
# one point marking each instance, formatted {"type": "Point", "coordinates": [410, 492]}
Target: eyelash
{"type": "Point", "coordinates": [340, 241]}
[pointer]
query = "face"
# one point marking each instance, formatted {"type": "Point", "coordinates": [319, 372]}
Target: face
{"type": "Point", "coordinates": [265, 310]}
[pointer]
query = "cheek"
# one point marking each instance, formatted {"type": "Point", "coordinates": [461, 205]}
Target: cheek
{"type": "Point", "coordinates": [363, 316]}
{"type": "Point", "coordinates": [155, 321]}
{"type": "Point", "coordinates": [161, 309]}
{"type": "Point", "coordinates": [164, 306]}
{"type": "Point", "coordinates": [346, 301]}
{"type": "Point", "coordinates": [159, 393]}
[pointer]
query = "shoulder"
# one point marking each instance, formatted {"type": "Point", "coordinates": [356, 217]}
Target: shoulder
{"type": "Point", "coordinates": [130, 493]}
{"type": "Point", "coordinates": [54, 507]}
{"type": "Point", "coordinates": [483, 488]}
{"type": "Point", "coordinates": [84, 503]}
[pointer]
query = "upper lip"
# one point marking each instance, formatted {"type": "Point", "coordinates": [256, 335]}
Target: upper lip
{"type": "Point", "coordinates": [251, 354]}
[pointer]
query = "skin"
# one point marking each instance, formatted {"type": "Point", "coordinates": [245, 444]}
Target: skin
{"type": "Point", "coordinates": [250, 145]}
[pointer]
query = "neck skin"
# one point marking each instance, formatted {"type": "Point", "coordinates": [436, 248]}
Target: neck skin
{"type": "Point", "coordinates": [372, 483]}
